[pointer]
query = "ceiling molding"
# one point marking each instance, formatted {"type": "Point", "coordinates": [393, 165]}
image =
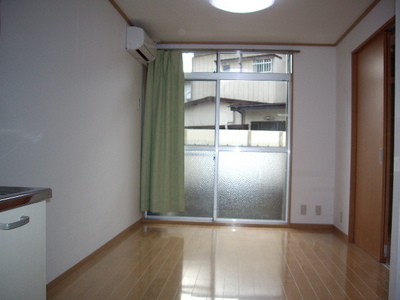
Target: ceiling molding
{"type": "Point", "coordinates": [357, 21]}
{"type": "Point", "coordinates": [121, 12]}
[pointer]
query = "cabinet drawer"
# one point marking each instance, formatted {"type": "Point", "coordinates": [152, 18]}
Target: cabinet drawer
{"type": "Point", "coordinates": [23, 253]}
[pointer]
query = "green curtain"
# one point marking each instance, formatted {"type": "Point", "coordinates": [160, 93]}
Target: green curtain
{"type": "Point", "coordinates": [162, 165]}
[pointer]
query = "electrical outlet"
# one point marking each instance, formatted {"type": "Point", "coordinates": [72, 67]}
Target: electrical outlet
{"type": "Point", "coordinates": [303, 209]}
{"type": "Point", "coordinates": [318, 210]}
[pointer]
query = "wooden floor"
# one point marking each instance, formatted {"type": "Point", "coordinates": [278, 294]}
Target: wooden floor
{"type": "Point", "coordinates": [203, 262]}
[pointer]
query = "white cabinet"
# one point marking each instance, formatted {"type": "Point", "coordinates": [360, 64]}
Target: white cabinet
{"type": "Point", "coordinates": [23, 254]}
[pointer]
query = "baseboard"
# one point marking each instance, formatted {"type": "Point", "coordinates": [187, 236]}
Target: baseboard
{"type": "Point", "coordinates": [340, 234]}
{"type": "Point", "coordinates": [87, 259]}
{"type": "Point", "coordinates": [211, 223]}
{"type": "Point", "coordinates": [311, 226]}
{"type": "Point", "coordinates": [238, 224]}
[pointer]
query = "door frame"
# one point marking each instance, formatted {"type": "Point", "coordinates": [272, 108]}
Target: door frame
{"type": "Point", "coordinates": [217, 77]}
{"type": "Point", "coordinates": [388, 143]}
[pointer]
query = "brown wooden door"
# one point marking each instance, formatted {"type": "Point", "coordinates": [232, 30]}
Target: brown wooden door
{"type": "Point", "coordinates": [369, 147]}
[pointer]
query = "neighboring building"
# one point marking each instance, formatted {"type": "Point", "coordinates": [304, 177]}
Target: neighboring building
{"type": "Point", "coordinates": [245, 106]}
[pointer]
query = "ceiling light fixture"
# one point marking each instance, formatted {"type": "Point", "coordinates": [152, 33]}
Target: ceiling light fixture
{"type": "Point", "coordinates": [242, 6]}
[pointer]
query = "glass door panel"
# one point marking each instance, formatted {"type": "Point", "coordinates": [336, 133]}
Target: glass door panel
{"type": "Point", "coordinates": [200, 113]}
{"type": "Point", "coordinates": [199, 186]}
{"type": "Point", "coordinates": [200, 99]}
{"type": "Point", "coordinates": [252, 185]}
{"type": "Point", "coordinates": [253, 113]}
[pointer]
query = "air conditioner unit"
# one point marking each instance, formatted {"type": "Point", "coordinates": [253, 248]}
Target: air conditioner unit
{"type": "Point", "coordinates": [140, 45]}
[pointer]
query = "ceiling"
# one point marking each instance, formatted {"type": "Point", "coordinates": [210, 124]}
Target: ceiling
{"type": "Point", "coordinates": [320, 22]}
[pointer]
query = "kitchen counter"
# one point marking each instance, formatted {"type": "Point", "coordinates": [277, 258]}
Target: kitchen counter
{"type": "Point", "coordinates": [12, 197]}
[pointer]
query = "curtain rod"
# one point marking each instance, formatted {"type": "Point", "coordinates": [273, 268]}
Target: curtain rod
{"type": "Point", "coordinates": [214, 47]}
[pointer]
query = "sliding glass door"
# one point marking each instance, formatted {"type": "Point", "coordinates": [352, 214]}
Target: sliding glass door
{"type": "Point", "coordinates": [237, 108]}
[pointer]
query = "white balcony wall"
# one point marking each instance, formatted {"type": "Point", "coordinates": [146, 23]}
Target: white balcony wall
{"type": "Point", "coordinates": [232, 137]}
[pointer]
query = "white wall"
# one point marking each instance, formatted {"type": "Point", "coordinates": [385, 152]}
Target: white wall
{"type": "Point", "coordinates": [382, 12]}
{"type": "Point", "coordinates": [313, 148]}
{"type": "Point", "coordinates": [70, 120]}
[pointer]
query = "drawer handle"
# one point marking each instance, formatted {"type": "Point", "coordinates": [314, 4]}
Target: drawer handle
{"type": "Point", "coordinates": [8, 226]}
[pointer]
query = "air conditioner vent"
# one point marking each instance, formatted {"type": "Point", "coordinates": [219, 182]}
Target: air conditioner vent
{"type": "Point", "coordinates": [140, 45]}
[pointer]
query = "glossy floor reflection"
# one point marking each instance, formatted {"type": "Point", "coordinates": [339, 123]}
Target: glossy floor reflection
{"type": "Point", "coordinates": [193, 262]}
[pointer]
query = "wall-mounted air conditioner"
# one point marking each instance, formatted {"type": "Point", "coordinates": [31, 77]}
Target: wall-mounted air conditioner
{"type": "Point", "coordinates": [140, 45]}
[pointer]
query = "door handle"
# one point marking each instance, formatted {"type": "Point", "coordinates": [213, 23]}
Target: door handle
{"type": "Point", "coordinates": [8, 226]}
{"type": "Point", "coordinates": [380, 156]}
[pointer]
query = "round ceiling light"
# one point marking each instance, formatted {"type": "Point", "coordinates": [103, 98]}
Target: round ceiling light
{"type": "Point", "coordinates": [242, 6]}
